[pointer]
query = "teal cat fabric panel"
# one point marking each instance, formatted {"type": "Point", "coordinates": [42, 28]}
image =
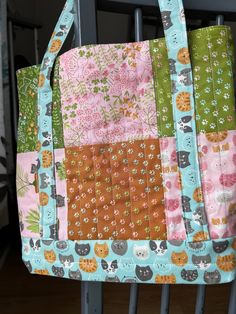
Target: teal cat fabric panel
{"type": "Point", "coordinates": [46, 171]}
{"type": "Point", "coordinates": [177, 46]}
{"type": "Point", "coordinates": [160, 262]}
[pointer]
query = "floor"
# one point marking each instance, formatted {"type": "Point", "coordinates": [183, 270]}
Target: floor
{"type": "Point", "coordinates": [22, 293]}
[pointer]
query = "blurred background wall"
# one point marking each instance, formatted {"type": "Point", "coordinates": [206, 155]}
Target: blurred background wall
{"type": "Point", "coordinates": [111, 27]}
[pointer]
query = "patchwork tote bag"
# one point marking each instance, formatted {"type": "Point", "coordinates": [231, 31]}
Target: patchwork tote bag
{"type": "Point", "coordinates": [126, 164]}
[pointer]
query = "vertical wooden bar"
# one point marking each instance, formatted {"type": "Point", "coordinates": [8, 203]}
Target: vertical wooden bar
{"type": "Point", "coordinates": [165, 299]}
{"type": "Point", "coordinates": [91, 297]}
{"type": "Point", "coordinates": [200, 299]}
{"type": "Point", "coordinates": [232, 300]}
{"type": "Point", "coordinates": [138, 24]}
{"type": "Point", "coordinates": [133, 300]}
{"type": "Point", "coordinates": [86, 33]}
{"type": "Point", "coordinates": [13, 79]}
{"type": "Point", "coordinates": [220, 20]}
{"type": "Point", "coordinates": [85, 22]}
{"type": "Point", "coordinates": [36, 48]}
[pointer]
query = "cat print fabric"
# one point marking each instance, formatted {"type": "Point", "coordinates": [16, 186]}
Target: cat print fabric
{"type": "Point", "coordinates": [29, 197]}
{"type": "Point", "coordinates": [218, 168]}
{"type": "Point", "coordinates": [126, 171]}
{"type": "Point", "coordinates": [160, 262]}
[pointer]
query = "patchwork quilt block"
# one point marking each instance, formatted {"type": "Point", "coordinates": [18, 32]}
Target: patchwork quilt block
{"type": "Point", "coordinates": [126, 164]}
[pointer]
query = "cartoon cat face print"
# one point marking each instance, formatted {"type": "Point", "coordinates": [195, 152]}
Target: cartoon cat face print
{"type": "Point", "coordinates": [119, 247]}
{"type": "Point", "coordinates": [82, 249]}
{"type": "Point", "coordinates": [176, 242]}
{"type": "Point", "coordinates": [45, 180]}
{"type": "Point", "coordinates": [184, 124]}
{"type": "Point", "coordinates": [35, 167]}
{"type": "Point", "coordinates": [109, 267]}
{"type": "Point", "coordinates": [184, 77]}
{"type": "Point", "coordinates": [183, 159]}
{"type": "Point", "coordinates": [61, 245]}
{"type": "Point", "coordinates": [172, 66]}
{"type": "Point", "coordinates": [58, 271]}
{"type": "Point", "coordinates": [166, 19]}
{"type": "Point", "coordinates": [202, 262]}
{"type": "Point", "coordinates": [35, 245]}
{"type": "Point", "coordinates": [179, 258]}
{"type": "Point", "coordinates": [195, 247]}
{"type": "Point", "coordinates": [63, 30]}
{"type": "Point", "coordinates": [60, 200]}
{"type": "Point", "coordinates": [159, 247]}
{"type": "Point", "coordinates": [141, 252]}
{"type": "Point", "coordinates": [186, 203]}
{"type": "Point", "coordinates": [213, 277]}
{"type": "Point", "coordinates": [76, 275]}
{"type": "Point", "coordinates": [143, 273]}
{"type": "Point", "coordinates": [174, 87]}
{"type": "Point", "coordinates": [101, 250]}
{"type": "Point", "coordinates": [67, 261]}
{"type": "Point", "coordinates": [189, 275]}
{"type": "Point", "coordinates": [47, 242]}
{"type": "Point", "coordinates": [199, 216]}
{"type": "Point", "coordinates": [47, 139]}
{"type": "Point", "coordinates": [220, 247]}
{"type": "Point", "coordinates": [53, 231]}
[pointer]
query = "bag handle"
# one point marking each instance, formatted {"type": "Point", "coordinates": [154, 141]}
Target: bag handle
{"type": "Point", "coordinates": [177, 44]}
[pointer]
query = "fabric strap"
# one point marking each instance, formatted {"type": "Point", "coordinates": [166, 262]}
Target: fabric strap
{"type": "Point", "coordinates": [186, 142]}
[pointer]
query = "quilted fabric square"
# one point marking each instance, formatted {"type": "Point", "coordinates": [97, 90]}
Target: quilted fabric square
{"type": "Point", "coordinates": [115, 191]}
{"type": "Point", "coordinates": [107, 94]}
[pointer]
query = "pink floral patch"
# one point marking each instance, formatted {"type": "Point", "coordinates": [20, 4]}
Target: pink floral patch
{"type": "Point", "coordinates": [107, 94]}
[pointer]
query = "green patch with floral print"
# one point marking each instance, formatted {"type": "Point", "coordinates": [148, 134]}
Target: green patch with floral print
{"type": "Point", "coordinates": [212, 52]}
{"type": "Point", "coordinates": [27, 79]}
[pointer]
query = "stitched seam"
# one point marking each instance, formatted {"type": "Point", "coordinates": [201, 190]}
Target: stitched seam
{"type": "Point", "coordinates": [216, 120]}
{"type": "Point", "coordinates": [95, 194]}
{"type": "Point", "coordinates": [195, 164]}
{"type": "Point", "coordinates": [57, 179]}
{"type": "Point", "coordinates": [133, 264]}
{"type": "Point", "coordinates": [147, 189]}
{"type": "Point", "coordinates": [129, 199]}
{"type": "Point", "coordinates": [157, 96]}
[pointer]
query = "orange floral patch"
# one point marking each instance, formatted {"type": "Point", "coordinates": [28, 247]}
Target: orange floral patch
{"type": "Point", "coordinates": [115, 191]}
